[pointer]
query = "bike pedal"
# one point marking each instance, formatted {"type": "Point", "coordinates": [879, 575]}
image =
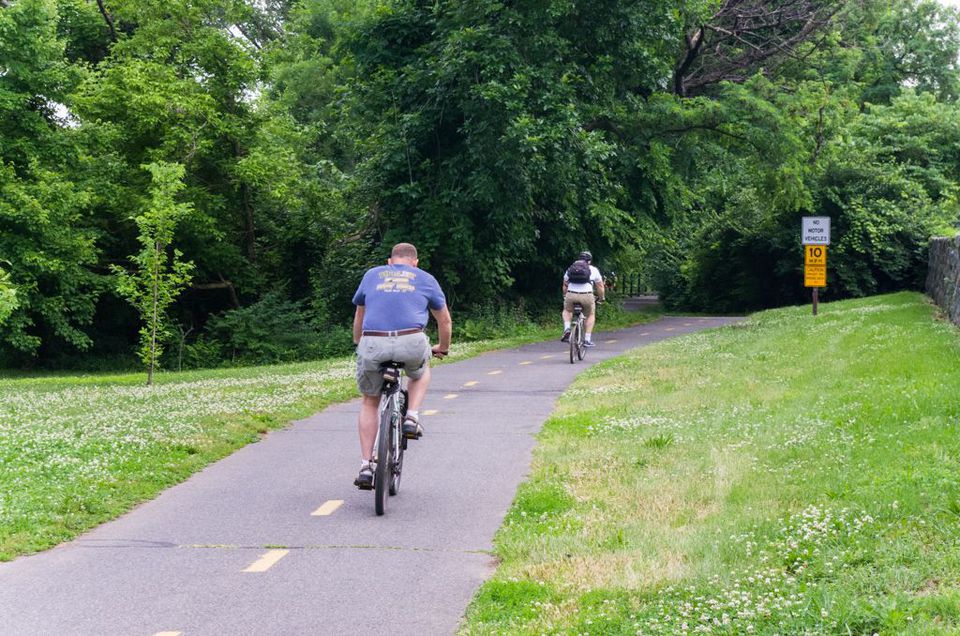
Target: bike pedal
{"type": "Point", "coordinates": [363, 485]}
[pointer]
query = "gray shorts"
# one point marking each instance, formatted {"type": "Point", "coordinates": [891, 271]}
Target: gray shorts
{"type": "Point", "coordinates": [413, 350]}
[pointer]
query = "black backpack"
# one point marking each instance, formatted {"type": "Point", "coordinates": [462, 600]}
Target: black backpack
{"type": "Point", "coordinates": [579, 272]}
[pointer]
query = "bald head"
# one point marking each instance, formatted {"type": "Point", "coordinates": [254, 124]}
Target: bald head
{"type": "Point", "coordinates": [404, 253]}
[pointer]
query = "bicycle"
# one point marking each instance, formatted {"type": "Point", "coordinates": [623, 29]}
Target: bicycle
{"type": "Point", "coordinates": [577, 350]}
{"type": "Point", "coordinates": [390, 442]}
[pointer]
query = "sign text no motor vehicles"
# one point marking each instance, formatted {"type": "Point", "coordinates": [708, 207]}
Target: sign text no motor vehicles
{"type": "Point", "coordinates": [815, 230]}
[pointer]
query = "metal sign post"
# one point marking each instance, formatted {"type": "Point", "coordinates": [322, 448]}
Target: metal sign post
{"type": "Point", "coordinates": [815, 237]}
{"type": "Point", "coordinates": [815, 270]}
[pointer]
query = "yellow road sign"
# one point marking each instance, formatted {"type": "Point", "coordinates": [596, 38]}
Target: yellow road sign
{"type": "Point", "coordinates": [815, 255]}
{"type": "Point", "coordinates": [815, 276]}
{"type": "Point", "coordinates": [814, 265]}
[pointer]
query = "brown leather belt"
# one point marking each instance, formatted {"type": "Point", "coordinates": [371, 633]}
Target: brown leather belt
{"type": "Point", "coordinates": [390, 334]}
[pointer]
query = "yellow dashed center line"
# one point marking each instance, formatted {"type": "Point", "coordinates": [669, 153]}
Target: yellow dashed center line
{"type": "Point", "coordinates": [267, 561]}
{"type": "Point", "coordinates": [495, 372]}
{"type": "Point", "coordinates": [610, 341]}
{"type": "Point", "coordinates": [645, 333]}
{"type": "Point", "coordinates": [450, 396]}
{"type": "Point", "coordinates": [548, 356]}
{"type": "Point", "coordinates": [430, 412]}
{"type": "Point", "coordinates": [688, 324]}
{"type": "Point", "coordinates": [527, 362]}
{"type": "Point", "coordinates": [328, 508]}
{"type": "Point", "coordinates": [669, 328]}
{"type": "Point", "coordinates": [471, 383]}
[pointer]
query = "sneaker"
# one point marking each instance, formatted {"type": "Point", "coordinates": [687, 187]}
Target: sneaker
{"type": "Point", "coordinates": [412, 428]}
{"type": "Point", "coordinates": [364, 480]}
{"type": "Point", "coordinates": [588, 343]}
{"type": "Point", "coordinates": [566, 336]}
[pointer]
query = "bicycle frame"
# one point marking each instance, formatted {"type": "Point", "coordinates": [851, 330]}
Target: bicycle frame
{"type": "Point", "coordinates": [577, 334]}
{"type": "Point", "coordinates": [389, 396]}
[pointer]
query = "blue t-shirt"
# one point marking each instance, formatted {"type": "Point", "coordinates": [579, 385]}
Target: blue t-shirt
{"type": "Point", "coordinates": [397, 297]}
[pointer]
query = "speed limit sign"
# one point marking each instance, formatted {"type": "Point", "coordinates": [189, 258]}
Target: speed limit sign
{"type": "Point", "coordinates": [815, 266]}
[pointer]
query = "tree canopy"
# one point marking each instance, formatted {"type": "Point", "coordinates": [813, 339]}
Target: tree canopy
{"type": "Point", "coordinates": [682, 138]}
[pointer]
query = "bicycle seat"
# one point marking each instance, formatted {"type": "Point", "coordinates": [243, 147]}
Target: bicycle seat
{"type": "Point", "coordinates": [391, 370]}
{"type": "Point", "coordinates": [577, 307]}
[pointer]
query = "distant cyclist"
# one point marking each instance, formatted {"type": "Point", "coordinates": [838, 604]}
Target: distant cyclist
{"type": "Point", "coordinates": [579, 282]}
{"type": "Point", "coordinates": [392, 303]}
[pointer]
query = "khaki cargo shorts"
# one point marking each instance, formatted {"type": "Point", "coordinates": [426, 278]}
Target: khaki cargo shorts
{"type": "Point", "coordinates": [413, 350]}
{"type": "Point", "coordinates": [584, 298]}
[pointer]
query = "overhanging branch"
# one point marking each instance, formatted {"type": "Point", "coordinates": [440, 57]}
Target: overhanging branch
{"type": "Point", "coordinates": [747, 36]}
{"type": "Point", "coordinates": [109, 19]}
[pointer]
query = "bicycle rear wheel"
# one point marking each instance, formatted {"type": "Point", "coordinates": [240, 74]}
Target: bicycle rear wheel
{"type": "Point", "coordinates": [574, 334]}
{"type": "Point", "coordinates": [396, 464]}
{"type": "Point", "coordinates": [581, 350]}
{"type": "Point", "coordinates": [404, 401]}
{"type": "Point", "coordinates": [382, 474]}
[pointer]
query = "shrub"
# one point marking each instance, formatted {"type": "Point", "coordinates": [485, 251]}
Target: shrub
{"type": "Point", "coordinates": [268, 331]}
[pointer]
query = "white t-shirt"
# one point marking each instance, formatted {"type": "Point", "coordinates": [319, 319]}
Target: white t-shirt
{"type": "Point", "coordinates": [583, 288]}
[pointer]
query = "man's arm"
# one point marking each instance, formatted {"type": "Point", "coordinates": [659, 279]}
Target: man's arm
{"type": "Point", "coordinates": [601, 290]}
{"type": "Point", "coordinates": [444, 329]}
{"type": "Point", "coordinates": [358, 324]}
{"type": "Point", "coordinates": [565, 285]}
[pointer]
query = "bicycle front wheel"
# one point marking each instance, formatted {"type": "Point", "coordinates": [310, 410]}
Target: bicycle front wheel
{"type": "Point", "coordinates": [382, 474]}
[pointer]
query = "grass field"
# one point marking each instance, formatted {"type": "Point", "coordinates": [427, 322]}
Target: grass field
{"type": "Point", "coordinates": [76, 450]}
{"type": "Point", "coordinates": [788, 475]}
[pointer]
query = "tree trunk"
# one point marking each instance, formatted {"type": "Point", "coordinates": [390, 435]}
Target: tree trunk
{"type": "Point", "coordinates": [251, 236]}
{"type": "Point", "coordinates": [153, 322]}
{"type": "Point", "coordinates": [223, 284]}
{"type": "Point", "coordinates": [693, 41]}
{"type": "Point", "coordinates": [251, 233]}
{"type": "Point", "coordinates": [183, 341]}
{"type": "Point", "coordinates": [109, 19]}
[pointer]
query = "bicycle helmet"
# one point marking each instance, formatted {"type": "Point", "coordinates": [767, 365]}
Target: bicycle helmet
{"type": "Point", "coordinates": [586, 256]}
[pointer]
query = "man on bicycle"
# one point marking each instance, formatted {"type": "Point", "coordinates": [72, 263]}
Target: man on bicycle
{"type": "Point", "coordinates": [391, 313]}
{"type": "Point", "coordinates": [579, 282]}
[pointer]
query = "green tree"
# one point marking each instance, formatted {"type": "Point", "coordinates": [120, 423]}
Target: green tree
{"type": "Point", "coordinates": [730, 243]}
{"type": "Point", "coordinates": [889, 184]}
{"type": "Point", "coordinates": [157, 277]}
{"type": "Point", "coordinates": [479, 131]}
{"type": "Point", "coordinates": [914, 44]}
{"type": "Point", "coordinates": [502, 138]}
{"type": "Point", "coordinates": [45, 233]}
{"type": "Point", "coordinates": [889, 179]}
{"type": "Point", "coordinates": [188, 82]}
{"type": "Point", "coordinates": [8, 296]}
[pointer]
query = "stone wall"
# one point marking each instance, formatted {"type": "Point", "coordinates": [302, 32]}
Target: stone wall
{"type": "Point", "coordinates": [943, 277]}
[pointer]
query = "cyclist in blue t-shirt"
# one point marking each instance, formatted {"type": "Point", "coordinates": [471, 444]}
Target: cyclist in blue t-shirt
{"type": "Point", "coordinates": [393, 302]}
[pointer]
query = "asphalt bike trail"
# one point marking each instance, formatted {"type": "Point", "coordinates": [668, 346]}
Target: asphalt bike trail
{"type": "Point", "coordinates": [275, 539]}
